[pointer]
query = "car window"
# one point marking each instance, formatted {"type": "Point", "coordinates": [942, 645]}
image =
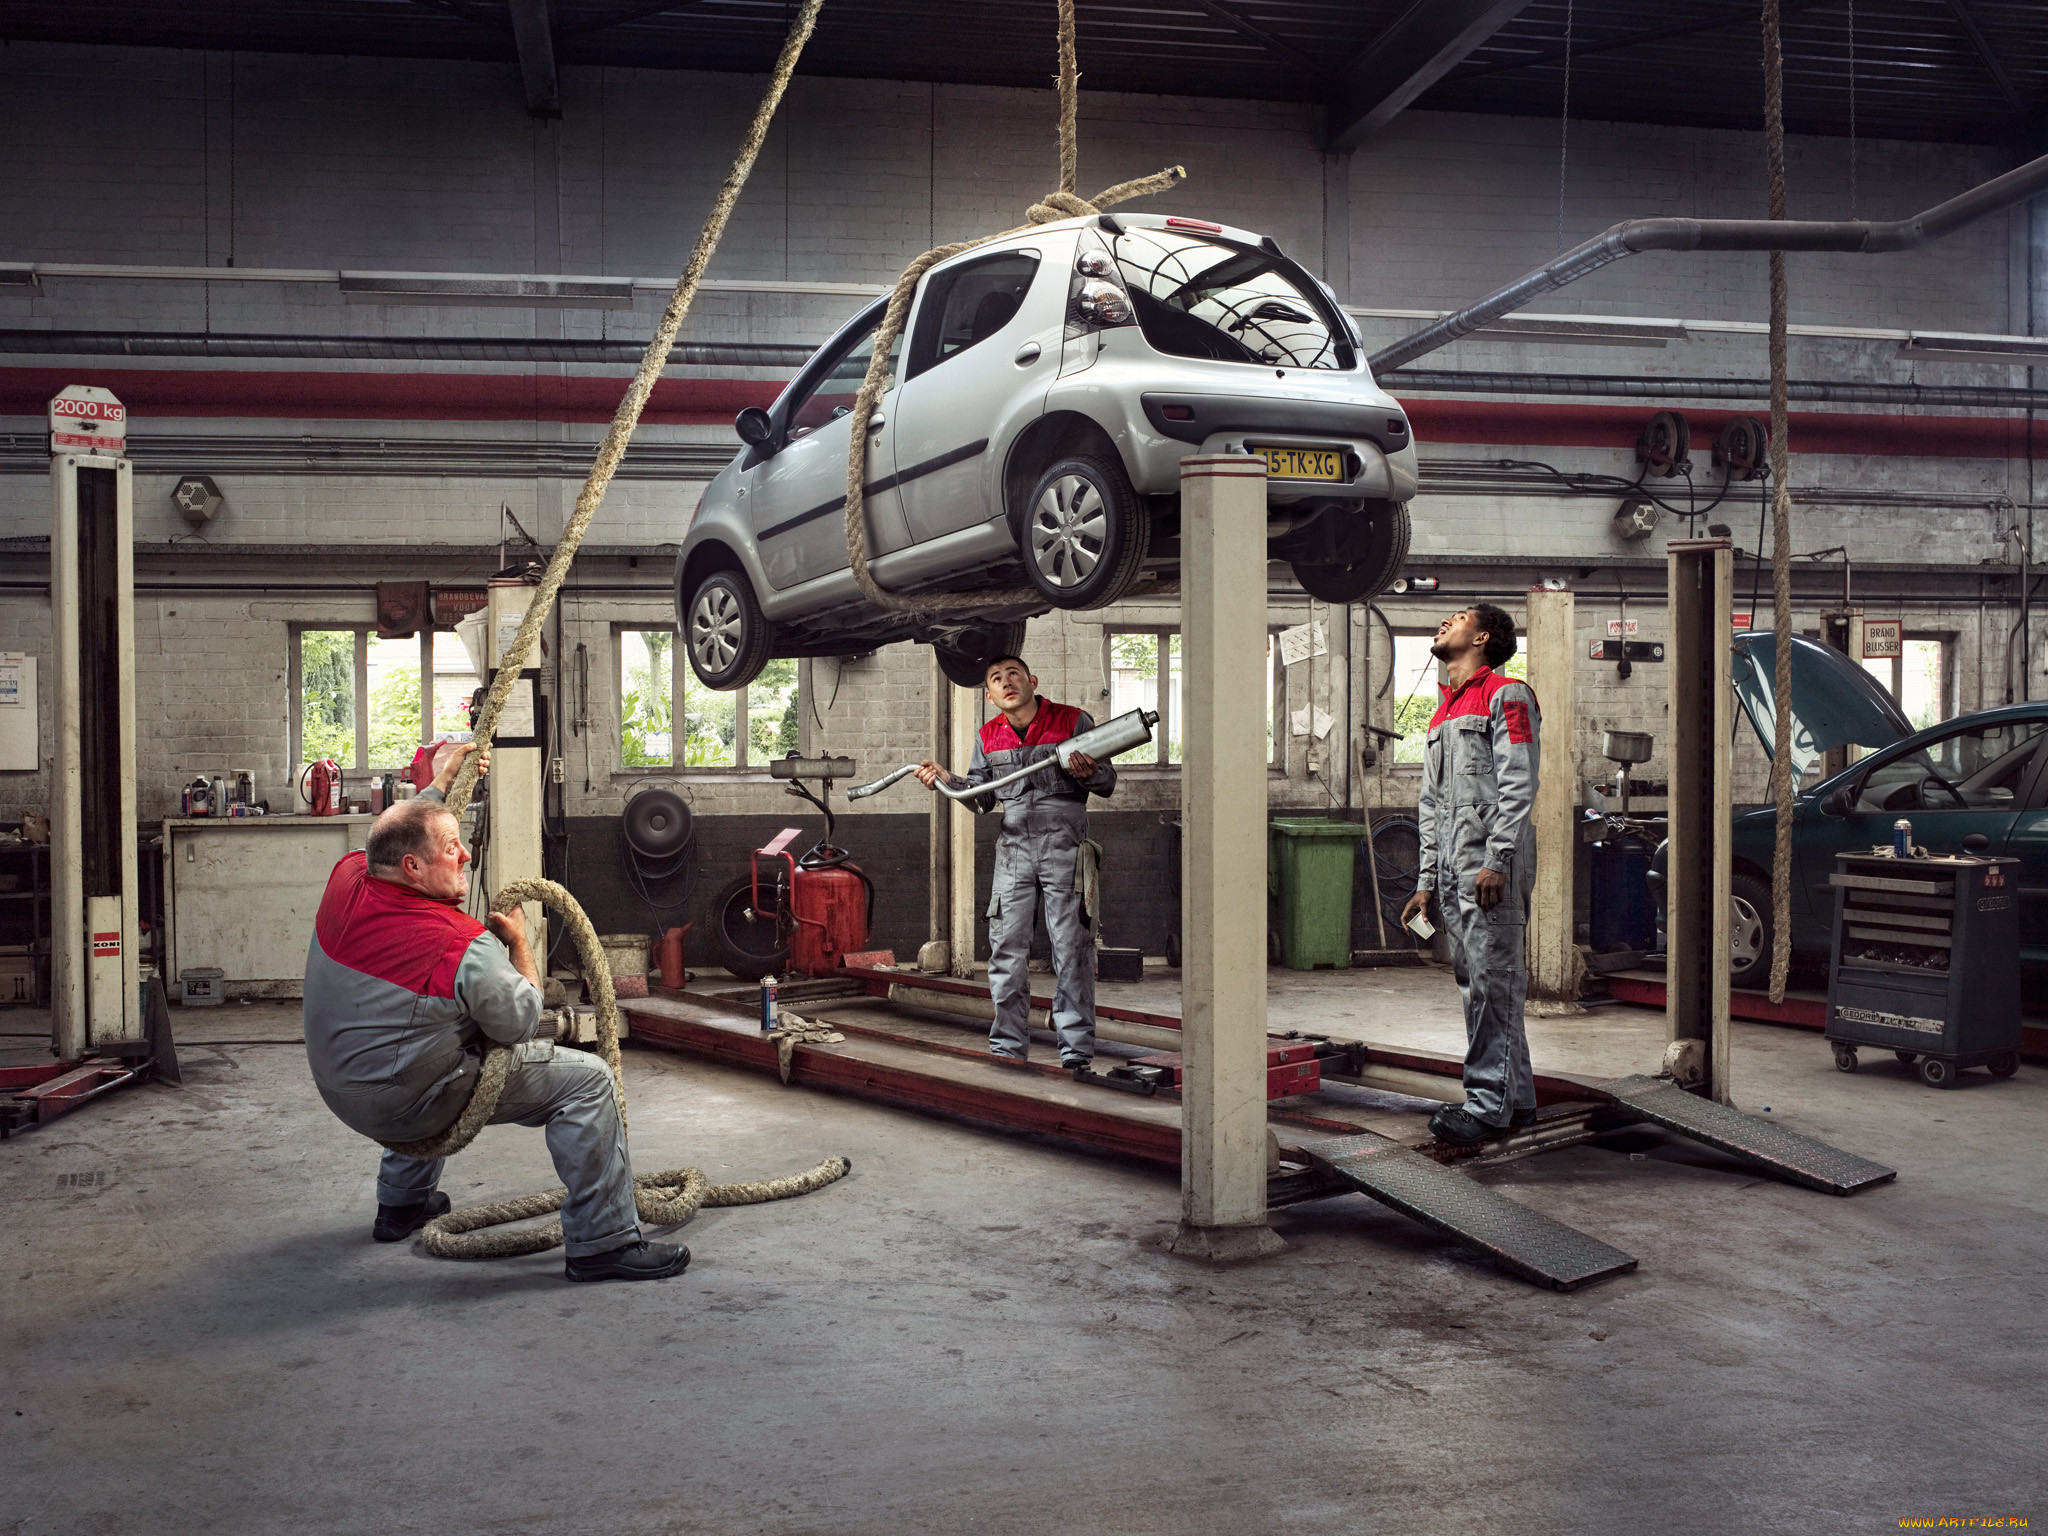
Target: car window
{"type": "Point", "coordinates": [832, 394]}
{"type": "Point", "coordinates": [967, 304]}
{"type": "Point", "coordinates": [1979, 768]}
{"type": "Point", "coordinates": [1195, 298]}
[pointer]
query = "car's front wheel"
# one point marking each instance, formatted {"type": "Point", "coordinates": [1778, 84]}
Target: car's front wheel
{"type": "Point", "coordinates": [725, 631]}
{"type": "Point", "coordinates": [1384, 551]}
{"type": "Point", "coordinates": [1085, 533]}
{"type": "Point", "coordinates": [1749, 933]}
{"type": "Point", "coordinates": [965, 662]}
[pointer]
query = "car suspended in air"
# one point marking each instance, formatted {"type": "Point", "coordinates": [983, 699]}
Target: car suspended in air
{"type": "Point", "coordinates": [1039, 400]}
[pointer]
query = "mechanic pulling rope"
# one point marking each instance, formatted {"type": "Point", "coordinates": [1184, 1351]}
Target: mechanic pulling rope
{"type": "Point", "coordinates": [1063, 204]}
{"type": "Point", "coordinates": [1781, 522]}
{"type": "Point", "coordinates": [671, 1197]}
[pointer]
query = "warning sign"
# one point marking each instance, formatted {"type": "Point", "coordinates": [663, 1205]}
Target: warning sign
{"type": "Point", "coordinates": [84, 416]}
{"type": "Point", "coordinates": [1882, 638]}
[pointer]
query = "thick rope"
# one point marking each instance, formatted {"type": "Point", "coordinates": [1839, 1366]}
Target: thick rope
{"type": "Point", "coordinates": [662, 1199]}
{"type": "Point", "coordinates": [1781, 521]}
{"type": "Point", "coordinates": [627, 417]}
{"type": "Point", "coordinates": [1063, 204]}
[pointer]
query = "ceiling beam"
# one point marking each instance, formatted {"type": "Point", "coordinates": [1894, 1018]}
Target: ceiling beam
{"type": "Point", "coordinates": [1993, 66]}
{"type": "Point", "coordinates": [1258, 34]}
{"type": "Point", "coordinates": [533, 34]}
{"type": "Point", "coordinates": [606, 20]}
{"type": "Point", "coordinates": [1582, 50]}
{"type": "Point", "coordinates": [1429, 40]}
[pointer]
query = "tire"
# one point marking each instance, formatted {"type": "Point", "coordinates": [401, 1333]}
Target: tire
{"type": "Point", "coordinates": [1397, 856]}
{"type": "Point", "coordinates": [725, 632]}
{"type": "Point", "coordinates": [1084, 533]}
{"type": "Point", "coordinates": [1749, 933]}
{"type": "Point", "coordinates": [1845, 1058]}
{"type": "Point", "coordinates": [968, 667]}
{"type": "Point", "coordinates": [750, 947]}
{"type": "Point", "coordinates": [1937, 1073]}
{"type": "Point", "coordinates": [1367, 577]}
{"type": "Point", "coordinates": [1173, 958]}
{"type": "Point", "coordinates": [2006, 1065]}
{"type": "Point", "coordinates": [1907, 1058]}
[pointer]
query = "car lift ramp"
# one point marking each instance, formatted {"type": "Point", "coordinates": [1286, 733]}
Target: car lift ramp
{"type": "Point", "coordinates": [1525, 1241]}
{"type": "Point", "coordinates": [1800, 1159]}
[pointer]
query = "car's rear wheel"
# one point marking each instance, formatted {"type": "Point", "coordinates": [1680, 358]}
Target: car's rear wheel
{"type": "Point", "coordinates": [965, 662]}
{"type": "Point", "coordinates": [1085, 533]}
{"type": "Point", "coordinates": [725, 631]}
{"type": "Point", "coordinates": [1749, 933]}
{"type": "Point", "coordinates": [1385, 552]}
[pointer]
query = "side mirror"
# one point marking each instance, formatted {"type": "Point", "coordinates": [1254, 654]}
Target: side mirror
{"type": "Point", "coordinates": [1976, 842]}
{"type": "Point", "coordinates": [754, 425]}
{"type": "Point", "coordinates": [1839, 801]}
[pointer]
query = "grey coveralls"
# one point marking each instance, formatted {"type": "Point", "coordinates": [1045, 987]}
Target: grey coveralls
{"type": "Point", "coordinates": [402, 997]}
{"type": "Point", "coordinates": [1478, 788]}
{"type": "Point", "coordinates": [1045, 818]}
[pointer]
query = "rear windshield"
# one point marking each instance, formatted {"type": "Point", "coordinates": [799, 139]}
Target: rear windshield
{"type": "Point", "coordinates": [1196, 298]}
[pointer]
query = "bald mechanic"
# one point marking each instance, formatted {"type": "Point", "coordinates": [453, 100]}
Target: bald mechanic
{"type": "Point", "coordinates": [405, 992]}
{"type": "Point", "coordinates": [1479, 860]}
{"type": "Point", "coordinates": [1038, 860]}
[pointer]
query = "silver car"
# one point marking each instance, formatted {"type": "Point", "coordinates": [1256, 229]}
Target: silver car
{"type": "Point", "coordinates": [1041, 397]}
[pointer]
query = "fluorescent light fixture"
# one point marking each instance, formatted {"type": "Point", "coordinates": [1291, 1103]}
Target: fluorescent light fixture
{"type": "Point", "coordinates": [1999, 349]}
{"type": "Point", "coordinates": [466, 290]}
{"type": "Point", "coordinates": [19, 275]}
{"type": "Point", "coordinates": [1566, 330]}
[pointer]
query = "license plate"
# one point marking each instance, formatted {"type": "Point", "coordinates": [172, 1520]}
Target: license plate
{"type": "Point", "coordinates": [1304, 463]}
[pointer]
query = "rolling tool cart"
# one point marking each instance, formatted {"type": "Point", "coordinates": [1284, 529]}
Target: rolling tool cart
{"type": "Point", "coordinates": [1926, 963]}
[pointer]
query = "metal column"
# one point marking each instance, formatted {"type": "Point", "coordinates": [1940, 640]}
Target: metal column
{"type": "Point", "coordinates": [1223, 858]}
{"type": "Point", "coordinates": [515, 800]}
{"type": "Point", "coordinates": [1702, 703]}
{"type": "Point", "coordinates": [1554, 966]}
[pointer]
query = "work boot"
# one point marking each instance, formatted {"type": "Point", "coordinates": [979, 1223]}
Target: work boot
{"type": "Point", "coordinates": [1461, 1128]}
{"type": "Point", "coordinates": [636, 1261]}
{"type": "Point", "coordinates": [395, 1223]}
{"type": "Point", "coordinates": [1076, 1063]}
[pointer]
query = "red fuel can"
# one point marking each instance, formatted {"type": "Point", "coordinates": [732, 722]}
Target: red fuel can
{"type": "Point", "coordinates": [831, 911]}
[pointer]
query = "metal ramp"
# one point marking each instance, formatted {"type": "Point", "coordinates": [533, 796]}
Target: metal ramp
{"type": "Point", "coordinates": [1798, 1158]}
{"type": "Point", "coordinates": [1525, 1241]}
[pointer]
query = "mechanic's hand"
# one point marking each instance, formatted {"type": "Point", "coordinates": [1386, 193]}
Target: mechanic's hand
{"type": "Point", "coordinates": [1417, 905]}
{"type": "Point", "coordinates": [445, 779]}
{"type": "Point", "coordinates": [510, 930]}
{"type": "Point", "coordinates": [929, 773]}
{"type": "Point", "coordinates": [1489, 888]}
{"type": "Point", "coordinates": [1081, 766]}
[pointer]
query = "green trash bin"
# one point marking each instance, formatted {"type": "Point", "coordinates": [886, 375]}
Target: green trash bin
{"type": "Point", "coordinates": [1309, 863]}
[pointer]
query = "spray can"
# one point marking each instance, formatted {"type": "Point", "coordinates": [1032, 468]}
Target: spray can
{"type": "Point", "coordinates": [1902, 839]}
{"type": "Point", "coordinates": [767, 1004]}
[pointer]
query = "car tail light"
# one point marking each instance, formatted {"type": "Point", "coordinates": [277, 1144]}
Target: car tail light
{"type": "Point", "coordinates": [1096, 263]}
{"type": "Point", "coordinates": [1177, 412]}
{"type": "Point", "coordinates": [1103, 303]}
{"type": "Point", "coordinates": [1202, 224]}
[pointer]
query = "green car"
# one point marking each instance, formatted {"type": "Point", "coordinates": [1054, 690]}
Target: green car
{"type": "Point", "coordinates": [1974, 784]}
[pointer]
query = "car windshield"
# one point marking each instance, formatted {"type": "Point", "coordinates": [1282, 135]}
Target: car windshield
{"type": "Point", "coordinates": [1976, 769]}
{"type": "Point", "coordinates": [1196, 298]}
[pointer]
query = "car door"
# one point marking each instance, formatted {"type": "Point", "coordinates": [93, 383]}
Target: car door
{"type": "Point", "coordinates": [984, 347]}
{"type": "Point", "coordinates": [794, 489]}
{"type": "Point", "coordinates": [1970, 780]}
{"type": "Point", "coordinates": [2028, 842]}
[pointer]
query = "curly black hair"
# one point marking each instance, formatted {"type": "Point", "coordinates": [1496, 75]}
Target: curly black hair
{"type": "Point", "coordinates": [1500, 632]}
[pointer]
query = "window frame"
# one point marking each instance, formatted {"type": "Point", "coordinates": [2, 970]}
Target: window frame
{"type": "Point", "coordinates": [1895, 686]}
{"type": "Point", "coordinates": [920, 355]}
{"type": "Point", "coordinates": [295, 688]}
{"type": "Point", "coordinates": [678, 669]}
{"type": "Point", "coordinates": [1276, 760]}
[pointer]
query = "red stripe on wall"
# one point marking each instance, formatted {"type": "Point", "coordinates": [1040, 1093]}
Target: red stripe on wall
{"type": "Point", "coordinates": [390, 396]}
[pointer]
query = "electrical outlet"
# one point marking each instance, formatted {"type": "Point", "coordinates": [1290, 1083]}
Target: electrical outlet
{"type": "Point", "coordinates": [555, 770]}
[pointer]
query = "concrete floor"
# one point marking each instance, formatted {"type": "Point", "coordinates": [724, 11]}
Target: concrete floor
{"type": "Point", "coordinates": [980, 1333]}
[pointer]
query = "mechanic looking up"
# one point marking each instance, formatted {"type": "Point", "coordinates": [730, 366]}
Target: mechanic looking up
{"type": "Point", "coordinates": [1043, 855]}
{"type": "Point", "coordinates": [1479, 856]}
{"type": "Point", "coordinates": [404, 993]}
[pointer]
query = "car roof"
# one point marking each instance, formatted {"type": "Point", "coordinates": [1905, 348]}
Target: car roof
{"type": "Point", "coordinates": [2034, 709]}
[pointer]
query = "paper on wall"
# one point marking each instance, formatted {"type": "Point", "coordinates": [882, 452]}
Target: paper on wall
{"type": "Point", "coordinates": [1308, 720]}
{"type": "Point", "coordinates": [1303, 641]}
{"type": "Point", "coordinates": [10, 680]}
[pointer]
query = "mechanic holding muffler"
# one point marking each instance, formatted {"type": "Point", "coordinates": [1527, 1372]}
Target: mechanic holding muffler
{"type": "Point", "coordinates": [1478, 788]}
{"type": "Point", "coordinates": [1043, 857]}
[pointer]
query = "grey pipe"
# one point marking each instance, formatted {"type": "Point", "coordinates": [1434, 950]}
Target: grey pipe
{"type": "Point", "coordinates": [1637, 235]}
{"type": "Point", "coordinates": [1459, 381]}
{"type": "Point", "coordinates": [439, 349]}
{"type": "Point", "coordinates": [1106, 740]}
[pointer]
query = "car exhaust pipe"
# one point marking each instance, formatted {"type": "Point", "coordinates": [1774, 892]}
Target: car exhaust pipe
{"type": "Point", "coordinates": [1105, 741]}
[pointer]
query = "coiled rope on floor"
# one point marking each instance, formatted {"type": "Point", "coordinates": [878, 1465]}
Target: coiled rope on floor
{"type": "Point", "coordinates": [671, 1197]}
{"type": "Point", "coordinates": [1063, 204]}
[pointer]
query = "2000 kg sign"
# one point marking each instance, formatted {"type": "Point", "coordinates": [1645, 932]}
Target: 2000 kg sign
{"type": "Point", "coordinates": [97, 410]}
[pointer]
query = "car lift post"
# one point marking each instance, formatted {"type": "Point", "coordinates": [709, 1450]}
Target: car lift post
{"type": "Point", "coordinates": [1223, 859]}
{"type": "Point", "coordinates": [965, 726]}
{"type": "Point", "coordinates": [1553, 953]}
{"type": "Point", "coordinates": [1701, 581]}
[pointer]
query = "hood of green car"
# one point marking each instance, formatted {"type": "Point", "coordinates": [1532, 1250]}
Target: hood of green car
{"type": "Point", "coordinates": [1835, 703]}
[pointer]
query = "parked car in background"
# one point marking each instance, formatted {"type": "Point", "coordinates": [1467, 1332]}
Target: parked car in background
{"type": "Point", "coordinates": [1974, 784]}
{"type": "Point", "coordinates": [1040, 399]}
